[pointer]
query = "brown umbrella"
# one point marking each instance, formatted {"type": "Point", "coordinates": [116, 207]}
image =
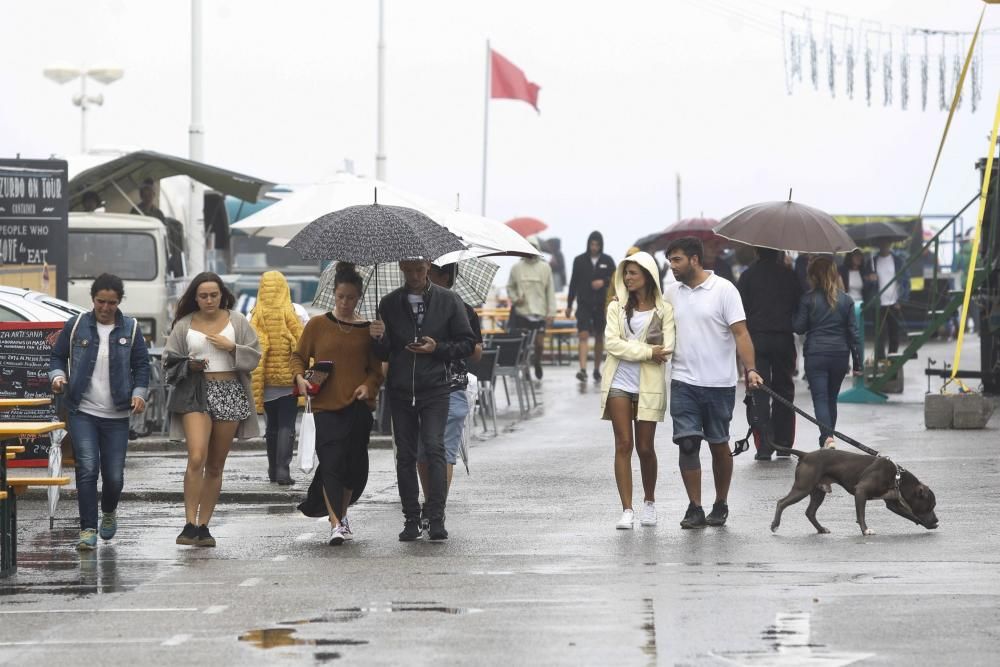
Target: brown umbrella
{"type": "Point", "coordinates": [786, 225]}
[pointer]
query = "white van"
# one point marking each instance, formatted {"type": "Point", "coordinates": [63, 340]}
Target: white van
{"type": "Point", "coordinates": [132, 247]}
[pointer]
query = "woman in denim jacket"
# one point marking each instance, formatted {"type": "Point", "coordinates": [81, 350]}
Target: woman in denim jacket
{"type": "Point", "coordinates": [826, 317]}
{"type": "Point", "coordinates": [101, 363]}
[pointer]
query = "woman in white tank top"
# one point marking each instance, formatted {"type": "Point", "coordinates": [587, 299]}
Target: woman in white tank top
{"type": "Point", "coordinates": [211, 352]}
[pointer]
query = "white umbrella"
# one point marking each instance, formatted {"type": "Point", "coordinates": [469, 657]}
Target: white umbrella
{"type": "Point", "coordinates": [285, 218]}
{"type": "Point", "coordinates": [55, 470]}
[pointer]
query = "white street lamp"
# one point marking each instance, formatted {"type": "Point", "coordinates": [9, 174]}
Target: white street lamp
{"type": "Point", "coordinates": [105, 75]}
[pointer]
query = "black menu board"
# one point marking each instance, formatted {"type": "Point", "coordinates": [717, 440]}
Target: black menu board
{"type": "Point", "coordinates": [25, 348]}
{"type": "Point", "coordinates": [34, 232]}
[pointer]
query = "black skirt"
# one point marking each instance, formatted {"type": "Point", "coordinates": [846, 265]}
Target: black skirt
{"type": "Point", "coordinates": [342, 448]}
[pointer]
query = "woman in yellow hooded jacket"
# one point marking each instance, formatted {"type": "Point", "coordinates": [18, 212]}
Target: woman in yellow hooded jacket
{"type": "Point", "coordinates": [639, 338]}
{"type": "Point", "coordinates": [278, 330]}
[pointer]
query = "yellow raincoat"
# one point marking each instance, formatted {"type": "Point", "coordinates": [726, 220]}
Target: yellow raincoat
{"type": "Point", "coordinates": [278, 330]}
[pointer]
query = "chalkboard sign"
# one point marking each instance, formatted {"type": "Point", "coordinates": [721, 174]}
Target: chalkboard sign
{"type": "Point", "coordinates": [24, 373]}
{"type": "Point", "coordinates": [34, 232]}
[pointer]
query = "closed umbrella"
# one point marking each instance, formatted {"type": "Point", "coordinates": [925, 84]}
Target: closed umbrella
{"type": "Point", "coordinates": [786, 225]}
{"type": "Point", "coordinates": [55, 470]}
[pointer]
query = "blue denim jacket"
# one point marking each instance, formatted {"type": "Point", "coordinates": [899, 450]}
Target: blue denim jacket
{"type": "Point", "coordinates": [128, 361]}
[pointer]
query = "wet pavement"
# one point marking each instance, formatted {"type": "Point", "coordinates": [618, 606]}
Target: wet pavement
{"type": "Point", "coordinates": [534, 572]}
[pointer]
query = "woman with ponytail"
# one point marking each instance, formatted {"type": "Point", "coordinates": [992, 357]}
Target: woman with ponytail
{"type": "Point", "coordinates": [278, 330]}
{"type": "Point", "coordinates": [343, 406]}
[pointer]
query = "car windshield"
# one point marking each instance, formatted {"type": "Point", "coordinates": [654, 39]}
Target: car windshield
{"type": "Point", "coordinates": [128, 255]}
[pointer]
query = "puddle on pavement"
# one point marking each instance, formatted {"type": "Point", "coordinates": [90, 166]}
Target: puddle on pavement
{"type": "Point", "coordinates": [649, 627]}
{"type": "Point", "coordinates": [268, 638]}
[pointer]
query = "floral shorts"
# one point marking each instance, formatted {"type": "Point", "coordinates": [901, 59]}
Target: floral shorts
{"type": "Point", "coordinates": [227, 402]}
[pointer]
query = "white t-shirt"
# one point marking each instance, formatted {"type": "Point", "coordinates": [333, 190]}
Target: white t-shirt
{"type": "Point", "coordinates": [856, 284]}
{"type": "Point", "coordinates": [417, 306]}
{"type": "Point", "coordinates": [885, 267]}
{"type": "Point", "coordinates": [705, 351]}
{"type": "Point", "coordinates": [627, 374]}
{"type": "Point", "coordinates": [97, 400]}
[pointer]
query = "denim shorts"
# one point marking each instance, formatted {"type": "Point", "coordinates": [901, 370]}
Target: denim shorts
{"type": "Point", "coordinates": [227, 402]}
{"type": "Point", "coordinates": [704, 412]}
{"type": "Point", "coordinates": [621, 393]}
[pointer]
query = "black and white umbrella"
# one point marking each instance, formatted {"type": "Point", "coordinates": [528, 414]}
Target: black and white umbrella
{"type": "Point", "coordinates": [374, 234]}
{"type": "Point", "coordinates": [473, 282]}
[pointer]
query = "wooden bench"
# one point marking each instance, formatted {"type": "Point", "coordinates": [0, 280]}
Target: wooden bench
{"type": "Point", "coordinates": [19, 484]}
{"type": "Point", "coordinates": [11, 486]}
{"type": "Point", "coordinates": [8, 517]}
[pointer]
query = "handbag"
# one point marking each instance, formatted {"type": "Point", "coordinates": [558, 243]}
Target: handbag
{"type": "Point", "coordinates": [307, 439]}
{"type": "Point", "coordinates": [654, 333]}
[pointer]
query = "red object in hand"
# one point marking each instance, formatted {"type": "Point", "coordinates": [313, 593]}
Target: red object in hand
{"type": "Point", "coordinates": [312, 391]}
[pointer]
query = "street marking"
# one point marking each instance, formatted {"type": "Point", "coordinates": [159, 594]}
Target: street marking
{"type": "Point", "coordinates": [183, 583]}
{"type": "Point", "coordinates": [216, 609]}
{"type": "Point", "coordinates": [280, 558]}
{"type": "Point", "coordinates": [106, 610]}
{"type": "Point", "coordinates": [176, 640]}
{"type": "Point", "coordinates": [71, 642]}
{"type": "Point", "coordinates": [252, 581]}
{"type": "Point", "coordinates": [792, 646]}
{"type": "Point", "coordinates": [304, 536]}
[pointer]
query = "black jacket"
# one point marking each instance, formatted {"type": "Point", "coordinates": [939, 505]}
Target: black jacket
{"type": "Point", "coordinates": [771, 294]}
{"type": "Point", "coordinates": [584, 272]}
{"type": "Point", "coordinates": [829, 331]}
{"type": "Point", "coordinates": [417, 376]}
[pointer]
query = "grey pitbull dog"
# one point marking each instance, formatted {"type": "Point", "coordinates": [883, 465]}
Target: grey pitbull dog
{"type": "Point", "coordinates": [864, 476]}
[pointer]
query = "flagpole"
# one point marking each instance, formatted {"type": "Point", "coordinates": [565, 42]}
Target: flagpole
{"type": "Point", "coordinates": [380, 114]}
{"type": "Point", "coordinates": [486, 126]}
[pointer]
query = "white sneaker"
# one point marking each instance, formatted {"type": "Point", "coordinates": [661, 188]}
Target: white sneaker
{"type": "Point", "coordinates": [648, 515]}
{"type": "Point", "coordinates": [625, 523]}
{"type": "Point", "coordinates": [337, 536]}
{"type": "Point", "coordinates": [346, 529]}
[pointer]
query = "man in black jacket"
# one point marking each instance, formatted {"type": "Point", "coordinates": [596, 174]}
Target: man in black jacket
{"type": "Point", "coordinates": [422, 328]}
{"type": "Point", "coordinates": [771, 292]}
{"type": "Point", "coordinates": [591, 278]}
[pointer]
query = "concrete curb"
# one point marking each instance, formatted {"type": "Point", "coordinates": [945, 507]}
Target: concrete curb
{"type": "Point", "coordinates": [262, 496]}
{"type": "Point", "coordinates": [164, 444]}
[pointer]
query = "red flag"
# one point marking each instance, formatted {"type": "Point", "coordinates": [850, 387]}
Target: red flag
{"type": "Point", "coordinates": [508, 81]}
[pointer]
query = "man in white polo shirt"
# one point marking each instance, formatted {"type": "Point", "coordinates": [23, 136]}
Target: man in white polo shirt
{"type": "Point", "coordinates": [711, 331]}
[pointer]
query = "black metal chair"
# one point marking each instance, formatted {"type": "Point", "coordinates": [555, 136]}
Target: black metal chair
{"type": "Point", "coordinates": [508, 366]}
{"type": "Point", "coordinates": [485, 372]}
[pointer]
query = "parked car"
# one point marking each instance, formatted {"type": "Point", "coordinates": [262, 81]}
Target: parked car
{"type": "Point", "coordinates": [22, 305]}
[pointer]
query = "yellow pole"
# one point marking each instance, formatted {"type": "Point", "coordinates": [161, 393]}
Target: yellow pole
{"type": "Point", "coordinates": [970, 276]}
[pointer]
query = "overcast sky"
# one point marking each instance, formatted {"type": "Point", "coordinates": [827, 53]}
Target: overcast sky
{"type": "Point", "coordinates": [632, 93]}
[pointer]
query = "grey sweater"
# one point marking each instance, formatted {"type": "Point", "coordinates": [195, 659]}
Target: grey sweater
{"type": "Point", "coordinates": [189, 388]}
